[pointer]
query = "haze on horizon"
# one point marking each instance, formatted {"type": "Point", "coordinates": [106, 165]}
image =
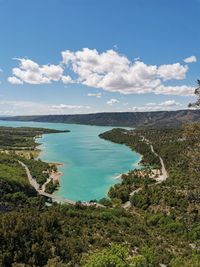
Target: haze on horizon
{"type": "Point", "coordinates": [66, 57]}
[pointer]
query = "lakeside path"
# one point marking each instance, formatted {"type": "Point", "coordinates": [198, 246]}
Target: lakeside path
{"type": "Point", "coordinates": [44, 185]}
{"type": "Point", "coordinates": [34, 183]}
{"type": "Point", "coordinates": [161, 177]}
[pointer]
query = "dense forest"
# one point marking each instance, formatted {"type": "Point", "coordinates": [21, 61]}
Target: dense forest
{"type": "Point", "coordinates": [160, 227]}
{"type": "Point", "coordinates": [129, 119]}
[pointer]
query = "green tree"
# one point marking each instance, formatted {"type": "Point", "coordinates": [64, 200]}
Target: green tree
{"type": "Point", "coordinates": [197, 93]}
{"type": "Point", "coordinates": [114, 256]}
{"type": "Point", "coordinates": [138, 261]}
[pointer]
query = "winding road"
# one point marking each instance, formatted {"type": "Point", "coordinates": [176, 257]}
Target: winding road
{"type": "Point", "coordinates": [34, 183]}
{"type": "Point", "coordinates": [164, 175]}
{"type": "Point", "coordinates": [161, 178]}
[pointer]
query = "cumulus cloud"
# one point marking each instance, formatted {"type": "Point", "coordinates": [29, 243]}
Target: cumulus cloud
{"type": "Point", "coordinates": [114, 72]}
{"type": "Point", "coordinates": [107, 70]}
{"type": "Point", "coordinates": [166, 105]}
{"type": "Point", "coordinates": [172, 72]}
{"type": "Point", "coordinates": [67, 79]}
{"type": "Point", "coordinates": [32, 73]}
{"type": "Point", "coordinates": [112, 101]}
{"type": "Point", "coordinates": [190, 59]}
{"type": "Point", "coordinates": [97, 95]}
{"type": "Point", "coordinates": [14, 80]}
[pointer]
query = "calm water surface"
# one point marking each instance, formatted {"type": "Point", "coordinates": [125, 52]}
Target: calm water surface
{"type": "Point", "coordinates": [90, 164]}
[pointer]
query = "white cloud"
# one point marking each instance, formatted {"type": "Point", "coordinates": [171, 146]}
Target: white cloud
{"type": "Point", "coordinates": [166, 105]}
{"type": "Point", "coordinates": [172, 72]}
{"type": "Point", "coordinates": [30, 72]}
{"type": "Point", "coordinates": [109, 71]}
{"type": "Point", "coordinates": [114, 72]}
{"type": "Point", "coordinates": [97, 95]}
{"type": "Point", "coordinates": [190, 59]}
{"type": "Point", "coordinates": [183, 90]}
{"type": "Point", "coordinates": [67, 79]}
{"type": "Point", "coordinates": [14, 80]}
{"type": "Point", "coordinates": [170, 103]}
{"type": "Point", "coordinates": [112, 101]}
{"type": "Point", "coordinates": [33, 108]}
{"type": "Point", "coordinates": [137, 59]}
{"type": "Point", "coordinates": [63, 106]}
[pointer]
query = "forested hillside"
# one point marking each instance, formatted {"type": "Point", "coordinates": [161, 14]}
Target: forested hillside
{"type": "Point", "coordinates": [130, 119]}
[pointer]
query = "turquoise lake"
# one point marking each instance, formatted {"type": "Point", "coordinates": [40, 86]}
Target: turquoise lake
{"type": "Point", "coordinates": [90, 164]}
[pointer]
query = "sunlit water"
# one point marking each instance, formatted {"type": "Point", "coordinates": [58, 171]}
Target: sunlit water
{"type": "Point", "coordinates": [90, 164]}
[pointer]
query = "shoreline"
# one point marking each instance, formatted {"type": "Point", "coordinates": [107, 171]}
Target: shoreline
{"type": "Point", "coordinates": [138, 166]}
{"type": "Point", "coordinates": [54, 176]}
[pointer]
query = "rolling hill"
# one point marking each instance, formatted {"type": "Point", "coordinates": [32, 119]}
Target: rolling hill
{"type": "Point", "coordinates": [129, 119]}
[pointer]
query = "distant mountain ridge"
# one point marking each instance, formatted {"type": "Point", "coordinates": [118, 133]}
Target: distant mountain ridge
{"type": "Point", "coordinates": [128, 119]}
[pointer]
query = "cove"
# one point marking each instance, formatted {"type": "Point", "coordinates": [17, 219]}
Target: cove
{"type": "Point", "coordinates": [90, 164]}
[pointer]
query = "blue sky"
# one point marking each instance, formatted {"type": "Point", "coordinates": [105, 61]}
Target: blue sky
{"type": "Point", "coordinates": [122, 55]}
